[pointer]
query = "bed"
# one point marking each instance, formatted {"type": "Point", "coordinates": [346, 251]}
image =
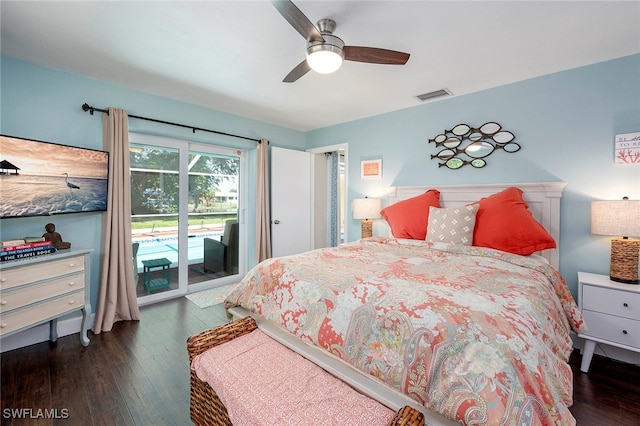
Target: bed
{"type": "Point", "coordinates": [464, 333]}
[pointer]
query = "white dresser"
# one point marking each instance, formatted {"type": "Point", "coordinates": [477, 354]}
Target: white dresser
{"type": "Point", "coordinates": [42, 289]}
{"type": "Point", "coordinates": [611, 311]}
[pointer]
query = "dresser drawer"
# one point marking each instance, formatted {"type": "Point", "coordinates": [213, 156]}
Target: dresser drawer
{"type": "Point", "coordinates": [611, 301]}
{"type": "Point", "coordinates": [40, 312]}
{"type": "Point", "coordinates": [20, 275]}
{"type": "Point", "coordinates": [614, 329]}
{"type": "Point", "coordinates": [35, 293]}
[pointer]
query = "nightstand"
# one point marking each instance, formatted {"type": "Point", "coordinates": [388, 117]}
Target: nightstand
{"type": "Point", "coordinates": [44, 288]}
{"type": "Point", "coordinates": [611, 311]}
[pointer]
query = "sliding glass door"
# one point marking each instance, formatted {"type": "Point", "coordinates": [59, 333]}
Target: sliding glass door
{"type": "Point", "coordinates": [186, 200]}
{"type": "Point", "coordinates": [213, 215]}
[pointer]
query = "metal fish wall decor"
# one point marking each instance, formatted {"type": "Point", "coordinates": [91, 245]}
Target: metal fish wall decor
{"type": "Point", "coordinates": [464, 145]}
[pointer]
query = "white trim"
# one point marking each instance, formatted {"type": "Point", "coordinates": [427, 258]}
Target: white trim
{"type": "Point", "coordinates": [330, 148]}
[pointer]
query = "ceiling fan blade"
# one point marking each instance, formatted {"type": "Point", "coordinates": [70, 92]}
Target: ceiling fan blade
{"type": "Point", "coordinates": [373, 55]}
{"type": "Point", "coordinates": [298, 20]}
{"type": "Point", "coordinates": [301, 69]}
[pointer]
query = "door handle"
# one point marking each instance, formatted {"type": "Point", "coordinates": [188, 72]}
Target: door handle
{"type": "Point", "coordinates": [275, 222]}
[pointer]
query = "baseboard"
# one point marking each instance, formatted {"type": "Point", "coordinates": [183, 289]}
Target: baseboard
{"type": "Point", "coordinates": [40, 333]}
{"type": "Point", "coordinates": [612, 352]}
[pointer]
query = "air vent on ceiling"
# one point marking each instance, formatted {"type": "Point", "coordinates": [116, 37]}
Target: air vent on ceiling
{"type": "Point", "coordinates": [431, 95]}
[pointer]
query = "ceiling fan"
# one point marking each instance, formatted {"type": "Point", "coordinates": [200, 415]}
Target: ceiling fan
{"type": "Point", "coordinates": [325, 51]}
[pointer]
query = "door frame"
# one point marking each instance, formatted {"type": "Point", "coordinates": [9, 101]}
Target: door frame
{"type": "Point", "coordinates": [321, 150]}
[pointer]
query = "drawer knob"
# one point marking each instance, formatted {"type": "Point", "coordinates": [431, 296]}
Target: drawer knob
{"type": "Point", "coordinates": [4, 302]}
{"type": "Point", "coordinates": [71, 265]}
{"type": "Point", "coordinates": [71, 302]}
{"type": "Point", "coordinates": [3, 279]}
{"type": "Point", "coordinates": [72, 283]}
{"type": "Point", "coordinates": [625, 304]}
{"type": "Point", "coordinates": [4, 324]}
{"type": "Point", "coordinates": [624, 332]}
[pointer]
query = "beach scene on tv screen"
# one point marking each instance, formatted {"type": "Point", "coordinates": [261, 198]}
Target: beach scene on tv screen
{"type": "Point", "coordinates": [41, 178]}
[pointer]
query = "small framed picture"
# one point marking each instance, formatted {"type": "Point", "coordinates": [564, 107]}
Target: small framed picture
{"type": "Point", "coordinates": [627, 147]}
{"type": "Point", "coordinates": [371, 169]}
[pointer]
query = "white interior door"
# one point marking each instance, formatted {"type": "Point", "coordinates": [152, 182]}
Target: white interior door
{"type": "Point", "coordinates": [290, 201]}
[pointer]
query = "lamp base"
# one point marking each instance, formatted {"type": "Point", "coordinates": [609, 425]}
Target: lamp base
{"type": "Point", "coordinates": [366, 228]}
{"type": "Point", "coordinates": [624, 260]}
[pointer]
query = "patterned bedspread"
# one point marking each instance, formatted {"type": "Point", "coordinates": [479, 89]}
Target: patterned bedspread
{"type": "Point", "coordinates": [478, 335]}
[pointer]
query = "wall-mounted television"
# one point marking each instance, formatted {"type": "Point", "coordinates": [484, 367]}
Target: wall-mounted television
{"type": "Point", "coordinates": [44, 178]}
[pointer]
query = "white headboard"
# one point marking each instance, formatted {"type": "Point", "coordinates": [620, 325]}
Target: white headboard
{"type": "Point", "coordinates": [543, 199]}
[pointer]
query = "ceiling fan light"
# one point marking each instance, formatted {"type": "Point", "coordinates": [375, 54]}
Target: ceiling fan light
{"type": "Point", "coordinates": [327, 56]}
{"type": "Point", "coordinates": [324, 61]}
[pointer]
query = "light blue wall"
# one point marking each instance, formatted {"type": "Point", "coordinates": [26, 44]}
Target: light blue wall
{"type": "Point", "coordinates": [45, 104]}
{"type": "Point", "coordinates": [565, 123]}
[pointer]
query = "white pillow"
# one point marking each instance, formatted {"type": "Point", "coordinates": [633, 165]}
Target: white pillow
{"type": "Point", "coordinates": [452, 225]}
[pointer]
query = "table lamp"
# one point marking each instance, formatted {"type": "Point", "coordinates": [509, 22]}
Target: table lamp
{"type": "Point", "coordinates": [620, 218]}
{"type": "Point", "coordinates": [366, 209]}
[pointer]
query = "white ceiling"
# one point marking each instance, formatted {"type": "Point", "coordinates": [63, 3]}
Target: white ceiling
{"type": "Point", "coordinates": [233, 55]}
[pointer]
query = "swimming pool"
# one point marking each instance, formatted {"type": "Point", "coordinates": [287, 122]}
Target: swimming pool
{"type": "Point", "coordinates": [167, 246]}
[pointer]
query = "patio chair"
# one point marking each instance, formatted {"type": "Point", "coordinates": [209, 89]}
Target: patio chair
{"type": "Point", "coordinates": [222, 255]}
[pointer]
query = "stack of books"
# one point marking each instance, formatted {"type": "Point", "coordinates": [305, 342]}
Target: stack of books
{"type": "Point", "coordinates": [24, 248]}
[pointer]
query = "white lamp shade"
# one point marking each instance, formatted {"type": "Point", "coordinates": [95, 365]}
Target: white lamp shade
{"type": "Point", "coordinates": [324, 61]}
{"type": "Point", "coordinates": [366, 208]}
{"type": "Point", "coordinates": [616, 218]}
{"type": "Point", "coordinates": [325, 57]}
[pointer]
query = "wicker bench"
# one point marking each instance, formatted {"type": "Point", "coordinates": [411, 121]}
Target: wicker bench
{"type": "Point", "coordinates": [206, 408]}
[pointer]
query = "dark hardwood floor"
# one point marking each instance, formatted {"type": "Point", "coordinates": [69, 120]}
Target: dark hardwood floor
{"type": "Point", "coordinates": [138, 374]}
{"type": "Point", "coordinates": [608, 395]}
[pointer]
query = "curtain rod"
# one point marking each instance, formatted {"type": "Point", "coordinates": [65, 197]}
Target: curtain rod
{"type": "Point", "coordinates": [87, 107]}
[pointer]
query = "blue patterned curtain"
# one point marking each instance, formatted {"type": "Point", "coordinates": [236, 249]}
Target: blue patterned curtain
{"type": "Point", "coordinates": [333, 185]}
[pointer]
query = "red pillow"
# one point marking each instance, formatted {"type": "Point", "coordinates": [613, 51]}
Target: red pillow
{"type": "Point", "coordinates": [504, 222]}
{"type": "Point", "coordinates": [409, 218]}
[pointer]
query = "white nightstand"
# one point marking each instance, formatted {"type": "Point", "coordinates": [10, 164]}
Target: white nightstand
{"type": "Point", "coordinates": [611, 311]}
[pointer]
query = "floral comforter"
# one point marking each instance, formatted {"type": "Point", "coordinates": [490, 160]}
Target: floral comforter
{"type": "Point", "coordinates": [478, 335]}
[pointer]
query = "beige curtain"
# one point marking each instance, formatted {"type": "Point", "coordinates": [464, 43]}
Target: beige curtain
{"type": "Point", "coordinates": [117, 299]}
{"type": "Point", "coordinates": [263, 217]}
